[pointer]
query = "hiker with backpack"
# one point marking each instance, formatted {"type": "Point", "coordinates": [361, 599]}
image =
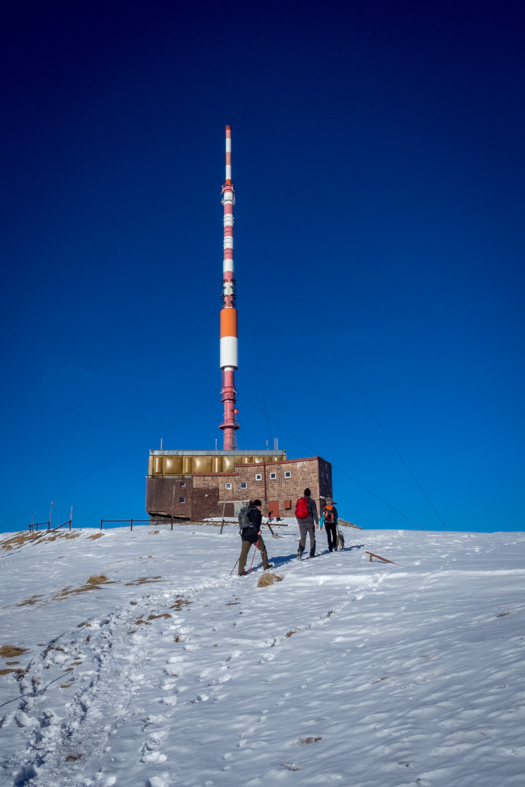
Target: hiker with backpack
{"type": "Point", "coordinates": [308, 520]}
{"type": "Point", "coordinates": [329, 520]}
{"type": "Point", "coordinates": [250, 522]}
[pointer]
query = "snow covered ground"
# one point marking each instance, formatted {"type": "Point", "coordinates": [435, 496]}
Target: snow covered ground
{"type": "Point", "coordinates": [345, 672]}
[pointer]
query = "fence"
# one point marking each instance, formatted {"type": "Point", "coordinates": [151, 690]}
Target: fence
{"type": "Point", "coordinates": [131, 521]}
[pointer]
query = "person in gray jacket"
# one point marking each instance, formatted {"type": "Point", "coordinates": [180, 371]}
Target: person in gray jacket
{"type": "Point", "coordinates": [308, 520]}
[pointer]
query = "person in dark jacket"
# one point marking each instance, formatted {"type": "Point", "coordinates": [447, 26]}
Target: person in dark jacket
{"type": "Point", "coordinates": [330, 519]}
{"type": "Point", "coordinates": [307, 525]}
{"type": "Point", "coordinates": [252, 535]}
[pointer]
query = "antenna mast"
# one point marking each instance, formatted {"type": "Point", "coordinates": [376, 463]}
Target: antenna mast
{"type": "Point", "coordinates": [229, 334]}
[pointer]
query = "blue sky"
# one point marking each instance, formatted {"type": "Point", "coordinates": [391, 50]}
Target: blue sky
{"type": "Point", "coordinates": [378, 163]}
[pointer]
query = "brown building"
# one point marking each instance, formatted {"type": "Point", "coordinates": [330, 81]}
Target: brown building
{"type": "Point", "coordinates": [192, 485]}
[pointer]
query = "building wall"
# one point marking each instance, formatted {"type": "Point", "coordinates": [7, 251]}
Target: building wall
{"type": "Point", "coordinates": [206, 494]}
{"type": "Point", "coordinates": [163, 498]}
{"type": "Point", "coordinates": [312, 472]}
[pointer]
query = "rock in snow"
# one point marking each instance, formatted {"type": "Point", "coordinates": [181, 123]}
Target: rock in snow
{"type": "Point", "coordinates": [172, 672]}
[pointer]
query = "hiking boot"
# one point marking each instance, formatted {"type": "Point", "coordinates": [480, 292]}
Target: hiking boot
{"type": "Point", "coordinates": [299, 554]}
{"type": "Point", "coordinates": [270, 565]}
{"type": "Point", "coordinates": [243, 574]}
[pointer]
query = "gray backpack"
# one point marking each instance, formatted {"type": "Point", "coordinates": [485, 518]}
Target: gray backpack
{"type": "Point", "coordinates": [244, 519]}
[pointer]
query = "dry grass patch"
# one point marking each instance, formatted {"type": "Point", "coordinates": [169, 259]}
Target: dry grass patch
{"type": "Point", "coordinates": [93, 583]}
{"type": "Point", "coordinates": [181, 602]}
{"type": "Point", "coordinates": [97, 579]}
{"type": "Point", "coordinates": [7, 671]}
{"type": "Point", "coordinates": [11, 651]}
{"type": "Point", "coordinates": [162, 615]}
{"type": "Point", "coordinates": [311, 739]}
{"type": "Point", "coordinates": [30, 601]}
{"type": "Point", "coordinates": [18, 541]}
{"type": "Point", "coordinates": [268, 579]}
{"type": "Point", "coordinates": [145, 581]}
{"type": "Point", "coordinates": [290, 634]}
{"type": "Point", "coordinates": [49, 536]}
{"type": "Point", "coordinates": [95, 536]}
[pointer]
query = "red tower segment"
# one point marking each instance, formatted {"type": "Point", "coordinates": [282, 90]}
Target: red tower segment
{"type": "Point", "coordinates": [229, 337]}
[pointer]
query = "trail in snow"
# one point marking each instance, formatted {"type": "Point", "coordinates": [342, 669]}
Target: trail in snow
{"type": "Point", "coordinates": [173, 673]}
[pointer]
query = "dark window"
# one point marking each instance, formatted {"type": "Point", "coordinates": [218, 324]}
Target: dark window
{"type": "Point", "coordinates": [182, 499]}
{"type": "Point", "coordinates": [273, 475]}
{"type": "Point", "coordinates": [243, 485]}
{"type": "Point", "coordinates": [182, 484]}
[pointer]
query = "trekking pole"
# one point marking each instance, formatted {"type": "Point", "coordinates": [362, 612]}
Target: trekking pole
{"type": "Point", "coordinates": [231, 572]}
{"type": "Point", "coordinates": [253, 558]}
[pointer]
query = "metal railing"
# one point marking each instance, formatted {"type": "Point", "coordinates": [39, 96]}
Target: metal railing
{"type": "Point", "coordinates": [34, 525]}
{"type": "Point", "coordinates": [131, 521]}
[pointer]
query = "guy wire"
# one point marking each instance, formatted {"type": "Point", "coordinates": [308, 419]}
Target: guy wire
{"type": "Point", "coordinates": [337, 468]}
{"type": "Point", "coordinates": [382, 428]}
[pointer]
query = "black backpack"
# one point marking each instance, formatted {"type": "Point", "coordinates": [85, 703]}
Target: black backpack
{"type": "Point", "coordinates": [244, 519]}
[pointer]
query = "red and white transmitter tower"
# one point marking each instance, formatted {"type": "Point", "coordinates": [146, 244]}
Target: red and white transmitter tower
{"type": "Point", "coordinates": [229, 335]}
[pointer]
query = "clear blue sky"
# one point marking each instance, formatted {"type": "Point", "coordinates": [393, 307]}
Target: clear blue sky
{"type": "Point", "coordinates": [378, 162]}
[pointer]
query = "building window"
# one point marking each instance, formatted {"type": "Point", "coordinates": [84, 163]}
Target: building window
{"type": "Point", "coordinates": [258, 477]}
{"type": "Point", "coordinates": [273, 475]}
{"type": "Point", "coordinates": [228, 486]}
{"type": "Point", "coordinates": [182, 499]}
{"type": "Point", "coordinates": [182, 484]}
{"type": "Point", "coordinates": [287, 474]}
{"type": "Point", "coordinates": [243, 485]}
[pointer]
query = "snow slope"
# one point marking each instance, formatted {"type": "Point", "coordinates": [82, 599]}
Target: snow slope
{"type": "Point", "coordinates": [345, 672]}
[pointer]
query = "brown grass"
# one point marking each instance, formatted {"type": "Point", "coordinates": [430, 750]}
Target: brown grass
{"type": "Point", "coordinates": [30, 601]}
{"type": "Point", "coordinates": [93, 583]}
{"type": "Point", "coordinates": [145, 581]}
{"type": "Point", "coordinates": [97, 579]}
{"type": "Point", "coordinates": [163, 615]}
{"type": "Point", "coordinates": [95, 536]}
{"type": "Point", "coordinates": [73, 757]}
{"type": "Point", "coordinates": [181, 602]}
{"type": "Point", "coordinates": [65, 685]}
{"type": "Point", "coordinates": [268, 579]}
{"type": "Point", "coordinates": [311, 739]}
{"type": "Point", "coordinates": [10, 663]}
{"type": "Point", "coordinates": [7, 671]}
{"type": "Point", "coordinates": [18, 541]}
{"type": "Point", "coordinates": [290, 634]}
{"type": "Point", "coordinates": [11, 651]}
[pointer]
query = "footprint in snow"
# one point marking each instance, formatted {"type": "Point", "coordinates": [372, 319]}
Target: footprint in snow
{"type": "Point", "coordinates": [159, 781]}
{"type": "Point", "coordinates": [150, 748]}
